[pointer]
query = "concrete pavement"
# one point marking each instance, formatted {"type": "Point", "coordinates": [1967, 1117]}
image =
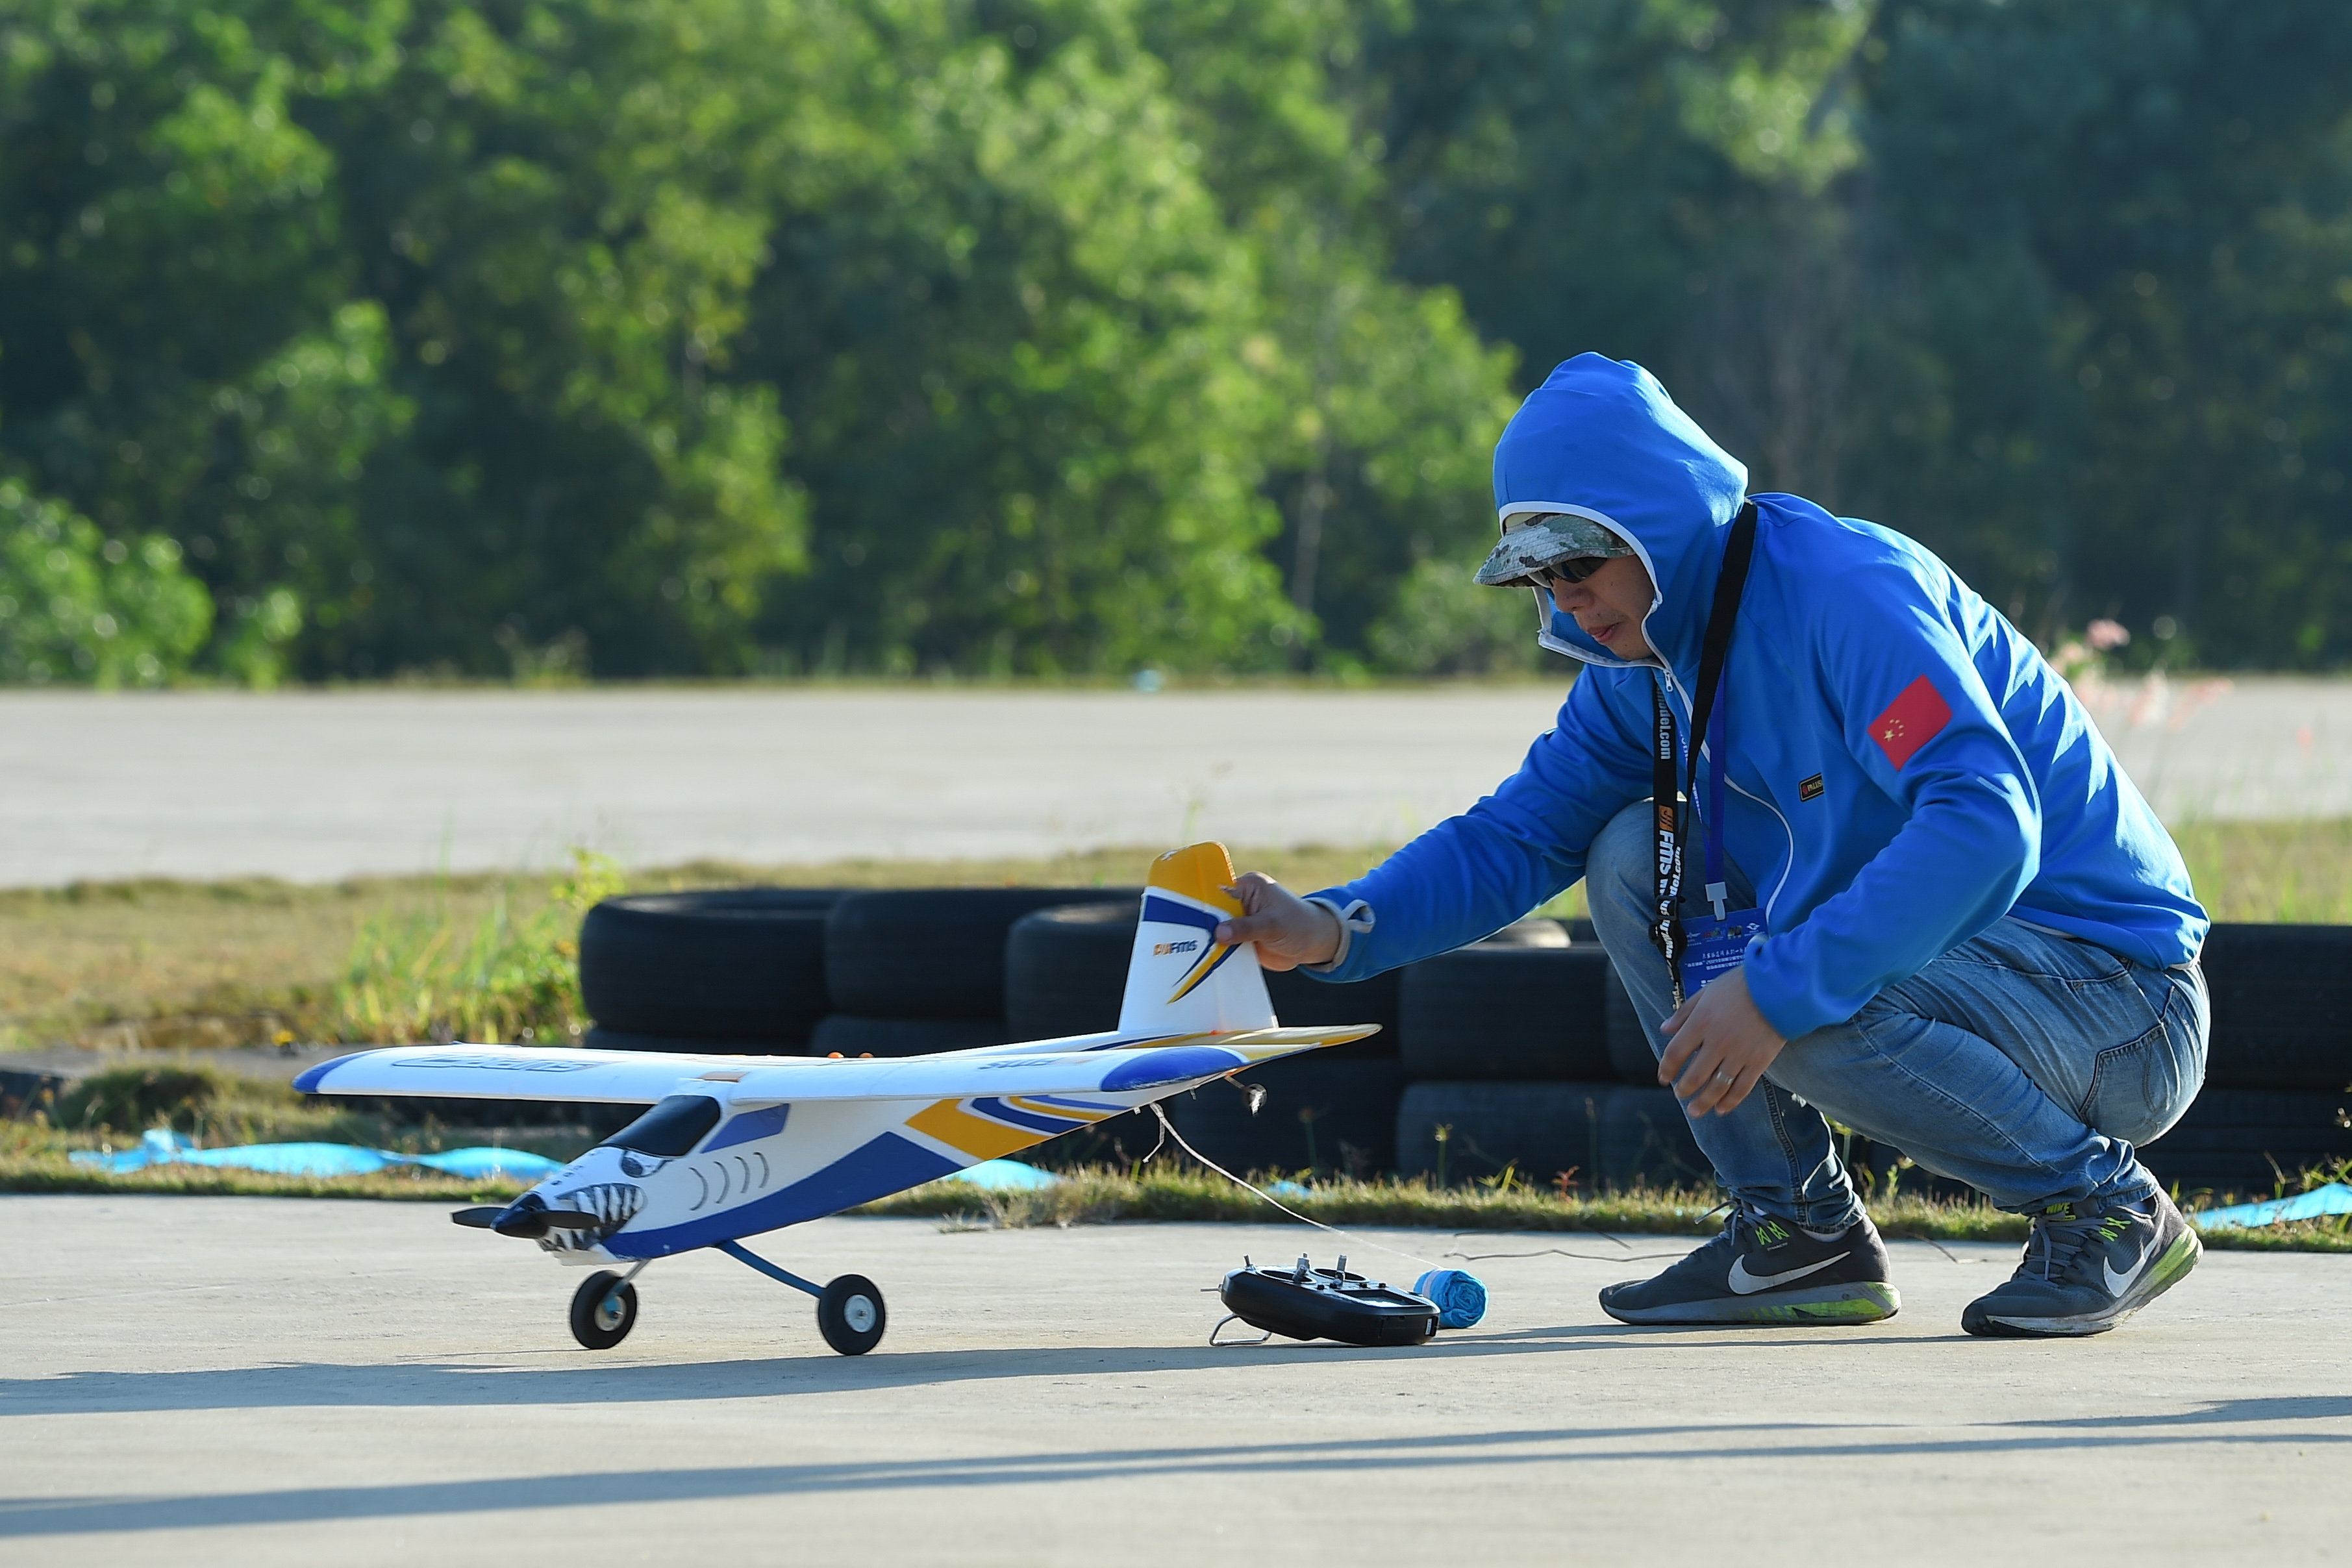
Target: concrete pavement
{"type": "Point", "coordinates": [257, 1381]}
{"type": "Point", "coordinates": [315, 786]}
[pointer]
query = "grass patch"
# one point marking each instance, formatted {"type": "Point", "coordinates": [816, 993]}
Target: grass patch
{"type": "Point", "coordinates": [2272, 872]}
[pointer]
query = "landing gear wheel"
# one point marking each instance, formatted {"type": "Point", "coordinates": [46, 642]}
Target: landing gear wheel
{"type": "Point", "coordinates": [604, 1310]}
{"type": "Point", "coordinates": [850, 1315]}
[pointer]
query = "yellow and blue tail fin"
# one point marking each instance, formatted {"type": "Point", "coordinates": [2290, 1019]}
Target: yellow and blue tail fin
{"type": "Point", "coordinates": [1180, 980]}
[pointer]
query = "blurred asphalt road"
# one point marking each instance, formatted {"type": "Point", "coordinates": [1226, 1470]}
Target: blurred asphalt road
{"type": "Point", "coordinates": [314, 785]}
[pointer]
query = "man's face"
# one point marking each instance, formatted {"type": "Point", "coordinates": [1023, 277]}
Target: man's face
{"type": "Point", "coordinates": [1608, 606]}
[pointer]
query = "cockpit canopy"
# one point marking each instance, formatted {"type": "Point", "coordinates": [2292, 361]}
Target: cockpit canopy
{"type": "Point", "coordinates": [670, 1129]}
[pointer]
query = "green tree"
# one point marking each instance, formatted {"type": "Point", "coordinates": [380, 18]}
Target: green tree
{"type": "Point", "coordinates": [78, 606]}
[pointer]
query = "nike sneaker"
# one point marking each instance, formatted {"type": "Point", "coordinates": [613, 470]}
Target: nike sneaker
{"type": "Point", "coordinates": [1765, 1271]}
{"type": "Point", "coordinates": [2089, 1267]}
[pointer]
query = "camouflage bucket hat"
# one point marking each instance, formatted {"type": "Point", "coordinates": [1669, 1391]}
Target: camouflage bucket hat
{"type": "Point", "coordinates": [1533, 541]}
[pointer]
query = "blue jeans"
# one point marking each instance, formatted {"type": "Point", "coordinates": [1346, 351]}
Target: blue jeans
{"type": "Point", "coordinates": [2023, 1064]}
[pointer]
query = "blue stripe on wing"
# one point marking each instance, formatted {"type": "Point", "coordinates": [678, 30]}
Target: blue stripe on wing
{"type": "Point", "coordinates": [1029, 1119]}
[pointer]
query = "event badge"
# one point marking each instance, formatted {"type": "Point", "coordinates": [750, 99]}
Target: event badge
{"type": "Point", "coordinates": [1714, 945]}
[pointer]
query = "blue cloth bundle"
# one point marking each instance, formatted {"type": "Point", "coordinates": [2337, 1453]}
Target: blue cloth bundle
{"type": "Point", "coordinates": [1461, 1298]}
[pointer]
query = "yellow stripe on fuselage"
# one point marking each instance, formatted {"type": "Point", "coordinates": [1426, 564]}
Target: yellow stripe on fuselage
{"type": "Point", "coordinates": [978, 1137]}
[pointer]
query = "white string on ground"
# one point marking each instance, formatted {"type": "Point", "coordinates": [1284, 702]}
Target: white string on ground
{"type": "Point", "coordinates": [1169, 1127]}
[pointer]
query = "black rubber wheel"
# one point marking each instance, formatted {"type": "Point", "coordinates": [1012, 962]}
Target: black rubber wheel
{"type": "Point", "coordinates": [851, 1316]}
{"type": "Point", "coordinates": [1513, 1014]}
{"type": "Point", "coordinates": [933, 952]}
{"type": "Point", "coordinates": [729, 964]}
{"type": "Point", "coordinates": [1538, 1129]}
{"type": "Point", "coordinates": [604, 1310]}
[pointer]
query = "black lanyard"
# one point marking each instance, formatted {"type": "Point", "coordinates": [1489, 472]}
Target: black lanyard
{"type": "Point", "coordinates": [1672, 824]}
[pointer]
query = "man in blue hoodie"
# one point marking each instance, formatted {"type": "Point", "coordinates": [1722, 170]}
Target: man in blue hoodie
{"type": "Point", "coordinates": [1933, 907]}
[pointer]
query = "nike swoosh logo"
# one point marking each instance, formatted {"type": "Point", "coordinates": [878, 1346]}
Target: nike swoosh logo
{"type": "Point", "coordinates": [1747, 1284]}
{"type": "Point", "coordinates": [2118, 1283]}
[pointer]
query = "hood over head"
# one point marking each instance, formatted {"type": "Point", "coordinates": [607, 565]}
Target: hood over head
{"type": "Point", "coordinates": [1600, 439]}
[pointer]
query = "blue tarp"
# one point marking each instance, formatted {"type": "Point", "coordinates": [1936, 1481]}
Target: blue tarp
{"type": "Point", "coordinates": [1003, 1175]}
{"type": "Point", "coordinates": [166, 1148]}
{"type": "Point", "coordinates": [2334, 1198]}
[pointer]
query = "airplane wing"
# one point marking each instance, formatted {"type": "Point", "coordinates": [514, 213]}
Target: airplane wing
{"type": "Point", "coordinates": [518, 1072]}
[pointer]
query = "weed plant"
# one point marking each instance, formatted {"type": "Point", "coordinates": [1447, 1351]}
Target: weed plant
{"type": "Point", "coordinates": [418, 977]}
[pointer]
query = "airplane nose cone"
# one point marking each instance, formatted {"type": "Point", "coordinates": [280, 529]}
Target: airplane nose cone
{"type": "Point", "coordinates": [525, 1218]}
{"type": "Point", "coordinates": [532, 1223]}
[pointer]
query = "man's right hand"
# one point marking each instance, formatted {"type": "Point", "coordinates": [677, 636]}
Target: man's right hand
{"type": "Point", "coordinates": [1289, 930]}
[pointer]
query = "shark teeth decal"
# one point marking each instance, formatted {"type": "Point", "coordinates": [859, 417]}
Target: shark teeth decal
{"type": "Point", "coordinates": [614, 1202]}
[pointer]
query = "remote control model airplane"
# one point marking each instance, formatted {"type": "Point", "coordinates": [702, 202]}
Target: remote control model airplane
{"type": "Point", "coordinates": [736, 1145]}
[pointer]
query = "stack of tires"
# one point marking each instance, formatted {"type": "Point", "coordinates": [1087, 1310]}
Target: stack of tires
{"type": "Point", "coordinates": [737, 970]}
{"type": "Point", "coordinates": [916, 970]}
{"type": "Point", "coordinates": [1524, 1056]}
{"type": "Point", "coordinates": [2275, 1101]}
{"type": "Point", "coordinates": [1331, 1113]}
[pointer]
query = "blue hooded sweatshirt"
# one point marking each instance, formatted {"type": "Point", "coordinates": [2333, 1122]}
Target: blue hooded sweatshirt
{"type": "Point", "coordinates": [1904, 767]}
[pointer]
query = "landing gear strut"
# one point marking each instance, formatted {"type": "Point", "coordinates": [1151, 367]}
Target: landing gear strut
{"type": "Point", "coordinates": [849, 1311]}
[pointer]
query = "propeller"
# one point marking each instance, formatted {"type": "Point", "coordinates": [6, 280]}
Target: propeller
{"type": "Point", "coordinates": [527, 1218]}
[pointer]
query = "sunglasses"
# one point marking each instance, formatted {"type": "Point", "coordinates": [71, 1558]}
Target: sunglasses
{"type": "Point", "coordinates": [1576, 568]}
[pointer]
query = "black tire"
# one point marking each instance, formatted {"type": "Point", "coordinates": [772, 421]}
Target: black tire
{"type": "Point", "coordinates": [850, 1035]}
{"type": "Point", "coordinates": [1323, 1117]}
{"type": "Point", "coordinates": [1066, 969]}
{"type": "Point", "coordinates": [22, 1094]}
{"type": "Point", "coordinates": [1508, 1014]}
{"type": "Point", "coordinates": [744, 963]}
{"type": "Point", "coordinates": [1301, 999]}
{"type": "Point", "coordinates": [1645, 1141]}
{"type": "Point", "coordinates": [1538, 1129]}
{"type": "Point", "coordinates": [2282, 1000]}
{"type": "Point", "coordinates": [2242, 1141]}
{"type": "Point", "coordinates": [851, 1316]}
{"type": "Point", "coordinates": [604, 1310]}
{"type": "Point", "coordinates": [933, 952]}
{"type": "Point", "coordinates": [1630, 1056]}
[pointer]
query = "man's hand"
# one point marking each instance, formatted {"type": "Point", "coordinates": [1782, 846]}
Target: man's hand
{"type": "Point", "coordinates": [1719, 1046]}
{"type": "Point", "coordinates": [1289, 930]}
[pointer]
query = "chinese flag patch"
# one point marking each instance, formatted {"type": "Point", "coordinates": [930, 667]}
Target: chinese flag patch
{"type": "Point", "coordinates": [1910, 722]}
